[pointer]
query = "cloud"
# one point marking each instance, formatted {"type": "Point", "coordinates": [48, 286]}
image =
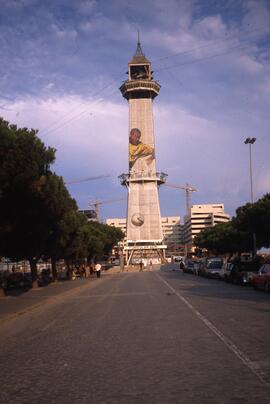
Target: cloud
{"type": "Point", "coordinates": [86, 7]}
{"type": "Point", "coordinates": [248, 64]}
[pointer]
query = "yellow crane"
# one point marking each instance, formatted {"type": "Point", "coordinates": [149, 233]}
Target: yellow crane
{"type": "Point", "coordinates": [188, 188]}
{"type": "Point", "coordinates": [97, 204]}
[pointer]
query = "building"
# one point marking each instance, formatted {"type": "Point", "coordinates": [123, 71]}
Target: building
{"type": "Point", "coordinates": [144, 230]}
{"type": "Point", "coordinates": [171, 229]}
{"type": "Point", "coordinates": [200, 217]}
{"type": "Point", "coordinates": [173, 235]}
{"type": "Point", "coordinates": [90, 214]}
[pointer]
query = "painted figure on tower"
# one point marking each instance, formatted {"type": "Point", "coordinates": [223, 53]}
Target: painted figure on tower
{"type": "Point", "coordinates": [139, 152]}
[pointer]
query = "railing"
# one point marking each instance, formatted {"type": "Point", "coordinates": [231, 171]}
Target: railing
{"type": "Point", "coordinates": [160, 177]}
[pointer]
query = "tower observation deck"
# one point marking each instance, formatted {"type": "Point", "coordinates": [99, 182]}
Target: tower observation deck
{"type": "Point", "coordinates": [144, 230]}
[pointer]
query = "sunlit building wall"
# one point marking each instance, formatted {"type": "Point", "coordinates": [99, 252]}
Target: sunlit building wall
{"type": "Point", "coordinates": [201, 217]}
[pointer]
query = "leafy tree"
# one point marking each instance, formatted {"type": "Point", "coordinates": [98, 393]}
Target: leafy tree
{"type": "Point", "coordinates": [24, 170]}
{"type": "Point", "coordinates": [102, 239]}
{"type": "Point", "coordinates": [62, 211]}
{"type": "Point", "coordinates": [255, 218]}
{"type": "Point", "coordinates": [224, 238]}
{"type": "Point", "coordinates": [38, 217]}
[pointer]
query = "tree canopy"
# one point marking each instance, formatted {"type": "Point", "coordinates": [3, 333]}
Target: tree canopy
{"type": "Point", "coordinates": [38, 217]}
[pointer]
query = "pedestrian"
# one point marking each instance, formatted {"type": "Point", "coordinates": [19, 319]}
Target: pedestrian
{"type": "Point", "coordinates": [98, 270]}
{"type": "Point", "coordinates": [141, 266]}
{"type": "Point", "coordinates": [182, 265]}
{"type": "Point", "coordinates": [83, 271]}
{"type": "Point", "coordinates": [150, 265]}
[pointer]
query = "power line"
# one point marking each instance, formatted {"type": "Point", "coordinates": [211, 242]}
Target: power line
{"type": "Point", "coordinates": [208, 57]}
{"type": "Point", "coordinates": [213, 43]}
{"type": "Point", "coordinates": [48, 128]}
{"type": "Point", "coordinates": [80, 114]}
{"type": "Point", "coordinates": [51, 128]}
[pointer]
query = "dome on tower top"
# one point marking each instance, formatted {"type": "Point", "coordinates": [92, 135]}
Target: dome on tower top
{"type": "Point", "coordinates": [139, 55]}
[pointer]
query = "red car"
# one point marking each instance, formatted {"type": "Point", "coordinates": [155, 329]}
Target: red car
{"type": "Point", "coordinates": [262, 279]}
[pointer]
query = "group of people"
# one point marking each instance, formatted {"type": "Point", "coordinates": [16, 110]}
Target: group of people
{"type": "Point", "coordinates": [85, 271]}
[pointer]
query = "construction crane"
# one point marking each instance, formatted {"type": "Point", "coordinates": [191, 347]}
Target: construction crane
{"type": "Point", "coordinates": [97, 204]}
{"type": "Point", "coordinates": [188, 188]}
{"type": "Point", "coordinates": [77, 181]}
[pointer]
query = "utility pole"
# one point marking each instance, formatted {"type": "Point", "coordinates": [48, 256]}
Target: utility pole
{"type": "Point", "coordinates": [251, 141]}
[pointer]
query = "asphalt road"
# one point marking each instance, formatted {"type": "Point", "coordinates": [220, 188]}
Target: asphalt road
{"type": "Point", "coordinates": [145, 337]}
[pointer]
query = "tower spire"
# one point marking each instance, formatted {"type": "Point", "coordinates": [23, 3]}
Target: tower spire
{"type": "Point", "coordinates": [139, 51]}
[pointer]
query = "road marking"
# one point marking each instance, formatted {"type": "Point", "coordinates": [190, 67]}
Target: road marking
{"type": "Point", "coordinates": [49, 325]}
{"type": "Point", "coordinates": [112, 295]}
{"type": "Point", "coordinates": [264, 378]}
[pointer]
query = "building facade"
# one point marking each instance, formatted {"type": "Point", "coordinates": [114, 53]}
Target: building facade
{"type": "Point", "coordinates": [200, 217]}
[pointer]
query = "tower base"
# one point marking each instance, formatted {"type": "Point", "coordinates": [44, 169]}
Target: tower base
{"type": "Point", "coordinates": [148, 253]}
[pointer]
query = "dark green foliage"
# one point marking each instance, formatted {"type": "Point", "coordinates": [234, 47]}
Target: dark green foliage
{"type": "Point", "coordinates": [224, 238]}
{"type": "Point", "coordinates": [38, 217]}
{"type": "Point", "coordinates": [255, 218]}
{"type": "Point", "coordinates": [24, 172]}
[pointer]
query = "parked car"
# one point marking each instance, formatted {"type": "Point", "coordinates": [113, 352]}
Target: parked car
{"type": "Point", "coordinates": [262, 279]}
{"type": "Point", "coordinates": [189, 266]}
{"type": "Point", "coordinates": [240, 272]}
{"type": "Point", "coordinates": [44, 277]}
{"type": "Point", "coordinates": [226, 271]}
{"type": "Point", "coordinates": [213, 267]}
{"type": "Point", "coordinates": [13, 280]}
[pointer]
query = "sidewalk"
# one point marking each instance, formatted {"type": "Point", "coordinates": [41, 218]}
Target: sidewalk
{"type": "Point", "coordinates": [19, 301]}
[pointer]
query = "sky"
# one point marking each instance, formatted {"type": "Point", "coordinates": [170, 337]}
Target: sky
{"type": "Point", "coordinates": [62, 63]}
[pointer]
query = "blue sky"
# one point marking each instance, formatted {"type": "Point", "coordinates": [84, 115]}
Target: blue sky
{"type": "Point", "coordinates": [63, 61]}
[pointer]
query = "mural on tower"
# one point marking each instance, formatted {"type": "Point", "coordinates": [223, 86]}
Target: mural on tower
{"type": "Point", "coordinates": [141, 156]}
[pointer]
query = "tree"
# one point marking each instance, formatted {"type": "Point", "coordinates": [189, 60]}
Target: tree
{"type": "Point", "coordinates": [224, 238]}
{"type": "Point", "coordinates": [102, 239]}
{"type": "Point", "coordinates": [38, 217]}
{"type": "Point", "coordinates": [255, 218]}
{"type": "Point", "coordinates": [62, 210]}
{"type": "Point", "coordinates": [24, 170]}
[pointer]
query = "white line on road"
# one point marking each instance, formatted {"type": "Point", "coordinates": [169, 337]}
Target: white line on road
{"type": "Point", "coordinates": [229, 344]}
{"type": "Point", "coordinates": [112, 295]}
{"type": "Point", "coordinates": [49, 325]}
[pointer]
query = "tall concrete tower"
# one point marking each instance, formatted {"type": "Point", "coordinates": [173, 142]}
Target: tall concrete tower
{"type": "Point", "coordinates": [144, 231]}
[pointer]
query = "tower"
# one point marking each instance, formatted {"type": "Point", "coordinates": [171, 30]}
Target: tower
{"type": "Point", "coordinates": [144, 231]}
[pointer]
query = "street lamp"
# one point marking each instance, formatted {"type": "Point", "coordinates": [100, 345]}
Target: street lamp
{"type": "Point", "coordinates": [251, 141]}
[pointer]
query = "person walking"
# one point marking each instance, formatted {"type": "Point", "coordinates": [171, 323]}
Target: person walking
{"type": "Point", "coordinates": [98, 270]}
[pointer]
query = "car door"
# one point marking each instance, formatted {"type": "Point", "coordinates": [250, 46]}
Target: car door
{"type": "Point", "coordinates": [261, 278]}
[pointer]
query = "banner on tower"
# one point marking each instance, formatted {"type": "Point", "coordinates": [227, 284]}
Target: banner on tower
{"type": "Point", "coordinates": [141, 155]}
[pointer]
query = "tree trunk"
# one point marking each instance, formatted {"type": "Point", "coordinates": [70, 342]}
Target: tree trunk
{"type": "Point", "coordinates": [33, 266]}
{"type": "Point", "coordinates": [54, 270]}
{"type": "Point", "coordinates": [68, 268]}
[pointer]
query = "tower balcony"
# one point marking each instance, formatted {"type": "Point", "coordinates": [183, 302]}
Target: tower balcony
{"type": "Point", "coordinates": [142, 176]}
{"type": "Point", "coordinates": [135, 88]}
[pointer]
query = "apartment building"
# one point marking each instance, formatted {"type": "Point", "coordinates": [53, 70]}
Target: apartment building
{"type": "Point", "coordinates": [200, 217]}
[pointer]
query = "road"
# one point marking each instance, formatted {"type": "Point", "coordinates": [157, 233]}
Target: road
{"type": "Point", "coordinates": [145, 337]}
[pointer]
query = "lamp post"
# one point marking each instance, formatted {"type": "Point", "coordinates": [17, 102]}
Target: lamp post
{"type": "Point", "coordinates": [251, 141]}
